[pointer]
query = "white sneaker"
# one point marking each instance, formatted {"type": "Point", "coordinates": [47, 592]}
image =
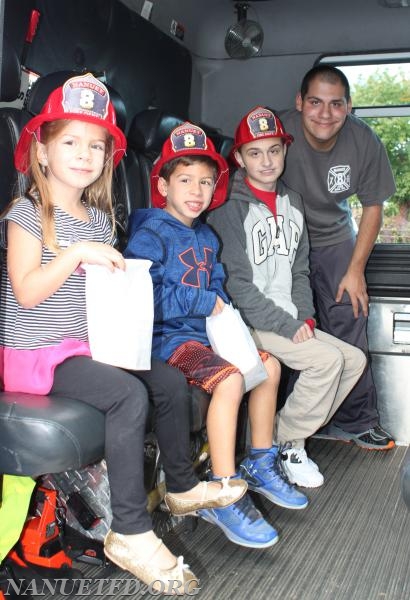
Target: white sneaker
{"type": "Point", "coordinates": [300, 469]}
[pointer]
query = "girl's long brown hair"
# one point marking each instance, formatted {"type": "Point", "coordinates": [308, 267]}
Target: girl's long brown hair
{"type": "Point", "coordinates": [98, 194]}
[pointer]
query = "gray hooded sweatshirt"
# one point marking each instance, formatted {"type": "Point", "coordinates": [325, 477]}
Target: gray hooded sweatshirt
{"type": "Point", "coordinates": [266, 259]}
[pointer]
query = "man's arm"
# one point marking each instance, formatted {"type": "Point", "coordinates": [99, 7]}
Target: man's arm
{"type": "Point", "coordinates": [353, 281]}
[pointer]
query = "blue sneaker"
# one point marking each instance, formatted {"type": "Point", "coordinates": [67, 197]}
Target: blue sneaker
{"type": "Point", "coordinates": [262, 473]}
{"type": "Point", "coordinates": [242, 523]}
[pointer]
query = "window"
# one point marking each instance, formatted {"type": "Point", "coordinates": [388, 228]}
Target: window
{"type": "Point", "coordinates": [380, 90]}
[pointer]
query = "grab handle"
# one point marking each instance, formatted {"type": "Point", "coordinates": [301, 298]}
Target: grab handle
{"type": "Point", "coordinates": [401, 328]}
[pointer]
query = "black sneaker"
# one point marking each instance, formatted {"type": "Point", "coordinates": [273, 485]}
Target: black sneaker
{"type": "Point", "coordinates": [375, 438]}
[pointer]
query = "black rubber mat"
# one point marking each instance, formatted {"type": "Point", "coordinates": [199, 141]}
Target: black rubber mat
{"type": "Point", "coordinates": [351, 543]}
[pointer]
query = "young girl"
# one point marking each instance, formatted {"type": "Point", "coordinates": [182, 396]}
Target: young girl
{"type": "Point", "coordinates": [66, 219]}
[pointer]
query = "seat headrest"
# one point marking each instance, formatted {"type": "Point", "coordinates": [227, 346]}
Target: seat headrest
{"type": "Point", "coordinates": [10, 77]}
{"type": "Point", "coordinates": [223, 143]}
{"type": "Point", "coordinates": [44, 85]}
{"type": "Point", "coordinates": [150, 128]}
{"type": "Point", "coordinates": [119, 107]}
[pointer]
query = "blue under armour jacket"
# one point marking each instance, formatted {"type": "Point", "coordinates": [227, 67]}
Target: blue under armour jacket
{"type": "Point", "coordinates": [186, 275]}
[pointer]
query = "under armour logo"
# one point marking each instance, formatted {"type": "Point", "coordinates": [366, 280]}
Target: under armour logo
{"type": "Point", "coordinates": [196, 267]}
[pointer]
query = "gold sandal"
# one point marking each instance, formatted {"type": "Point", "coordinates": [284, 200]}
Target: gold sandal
{"type": "Point", "coordinates": [231, 491]}
{"type": "Point", "coordinates": [178, 580]}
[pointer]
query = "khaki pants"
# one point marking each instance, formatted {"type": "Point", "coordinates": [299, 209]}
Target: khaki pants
{"type": "Point", "coordinates": [329, 368]}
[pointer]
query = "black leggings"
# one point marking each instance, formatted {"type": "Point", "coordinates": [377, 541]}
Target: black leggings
{"type": "Point", "coordinates": [123, 397]}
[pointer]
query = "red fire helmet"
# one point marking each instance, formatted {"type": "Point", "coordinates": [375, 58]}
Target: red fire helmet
{"type": "Point", "coordinates": [259, 123]}
{"type": "Point", "coordinates": [190, 140]}
{"type": "Point", "coordinates": [81, 98]}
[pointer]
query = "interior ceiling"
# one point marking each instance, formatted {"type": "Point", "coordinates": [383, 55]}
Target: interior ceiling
{"type": "Point", "coordinates": [289, 26]}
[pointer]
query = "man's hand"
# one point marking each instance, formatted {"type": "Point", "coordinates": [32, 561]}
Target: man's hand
{"type": "Point", "coordinates": [354, 283]}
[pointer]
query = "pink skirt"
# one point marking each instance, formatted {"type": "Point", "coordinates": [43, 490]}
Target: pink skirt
{"type": "Point", "coordinates": [32, 371]}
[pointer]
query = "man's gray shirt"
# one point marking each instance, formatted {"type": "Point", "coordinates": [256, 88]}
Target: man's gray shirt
{"type": "Point", "coordinates": [357, 164]}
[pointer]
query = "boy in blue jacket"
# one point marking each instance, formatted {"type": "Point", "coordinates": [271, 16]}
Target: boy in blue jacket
{"type": "Point", "coordinates": [188, 178]}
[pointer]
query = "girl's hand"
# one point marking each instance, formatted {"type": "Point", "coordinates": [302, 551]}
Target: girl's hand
{"type": "Point", "coordinates": [33, 282]}
{"type": "Point", "coordinates": [97, 253]}
{"type": "Point", "coordinates": [303, 334]}
{"type": "Point", "coordinates": [219, 305]}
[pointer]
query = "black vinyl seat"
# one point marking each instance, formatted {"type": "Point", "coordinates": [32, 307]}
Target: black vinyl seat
{"type": "Point", "coordinates": [223, 143]}
{"type": "Point", "coordinates": [44, 434]}
{"type": "Point", "coordinates": [147, 132]}
{"type": "Point", "coordinates": [11, 122]}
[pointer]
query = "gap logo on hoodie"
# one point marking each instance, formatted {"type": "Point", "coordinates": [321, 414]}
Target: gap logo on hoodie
{"type": "Point", "coordinates": [268, 237]}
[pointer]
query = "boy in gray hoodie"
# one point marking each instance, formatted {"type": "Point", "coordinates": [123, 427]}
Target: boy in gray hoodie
{"type": "Point", "coordinates": [265, 253]}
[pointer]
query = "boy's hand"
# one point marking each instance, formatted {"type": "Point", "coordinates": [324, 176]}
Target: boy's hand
{"type": "Point", "coordinates": [219, 305]}
{"type": "Point", "coordinates": [303, 334]}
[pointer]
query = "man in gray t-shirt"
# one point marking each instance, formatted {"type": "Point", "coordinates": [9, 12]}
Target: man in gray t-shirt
{"type": "Point", "coordinates": [336, 155]}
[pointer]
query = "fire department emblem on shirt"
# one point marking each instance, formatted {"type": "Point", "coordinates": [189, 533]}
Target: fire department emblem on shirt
{"type": "Point", "coordinates": [338, 179]}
